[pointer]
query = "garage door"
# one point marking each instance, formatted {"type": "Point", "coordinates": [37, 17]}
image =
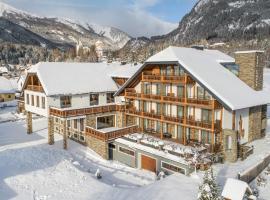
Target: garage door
{"type": "Point", "coordinates": [148, 163]}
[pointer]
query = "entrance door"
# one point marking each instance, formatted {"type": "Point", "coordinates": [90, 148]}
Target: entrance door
{"type": "Point", "coordinates": [148, 163]}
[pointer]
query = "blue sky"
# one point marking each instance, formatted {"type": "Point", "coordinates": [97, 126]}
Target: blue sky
{"type": "Point", "coordinates": [136, 17]}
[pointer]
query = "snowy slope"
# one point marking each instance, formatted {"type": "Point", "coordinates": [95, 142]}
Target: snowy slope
{"type": "Point", "coordinates": [65, 31]}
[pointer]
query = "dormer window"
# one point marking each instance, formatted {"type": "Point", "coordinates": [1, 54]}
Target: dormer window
{"type": "Point", "coordinates": [94, 99]}
{"type": "Point", "coordinates": [65, 101]}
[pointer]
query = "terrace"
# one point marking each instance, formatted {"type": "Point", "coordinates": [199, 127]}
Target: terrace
{"type": "Point", "coordinates": [189, 155]}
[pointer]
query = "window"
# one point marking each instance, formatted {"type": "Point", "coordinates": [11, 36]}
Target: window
{"type": "Point", "coordinates": [111, 146]}
{"type": "Point", "coordinates": [68, 123]}
{"type": "Point", "coordinates": [228, 142]}
{"type": "Point", "coordinates": [180, 132]}
{"type": "Point", "coordinates": [200, 93]}
{"type": "Point", "coordinates": [105, 121]}
{"type": "Point", "coordinates": [32, 100]}
{"type": "Point", "coordinates": [172, 168]}
{"type": "Point", "coordinates": [158, 92]}
{"type": "Point", "coordinates": [82, 124]}
{"type": "Point", "coordinates": [158, 126]}
{"type": "Point", "coordinates": [206, 115]}
{"type": "Point", "coordinates": [180, 111]}
{"type": "Point", "coordinates": [126, 151]}
{"type": "Point", "coordinates": [168, 71]}
{"type": "Point", "coordinates": [27, 99]}
{"type": "Point", "coordinates": [110, 98]}
{"type": "Point", "coordinates": [9, 96]}
{"type": "Point", "coordinates": [94, 99]}
{"type": "Point", "coordinates": [65, 101]}
{"type": "Point", "coordinates": [158, 108]}
{"type": "Point", "coordinates": [206, 137]}
{"type": "Point", "coordinates": [180, 91]}
{"type": "Point", "coordinates": [75, 121]}
{"type": "Point", "coordinates": [37, 99]}
{"type": "Point", "coordinates": [147, 88]}
{"type": "Point", "coordinates": [43, 102]}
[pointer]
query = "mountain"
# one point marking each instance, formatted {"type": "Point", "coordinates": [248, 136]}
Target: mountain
{"type": "Point", "coordinates": [64, 32]}
{"type": "Point", "coordinates": [211, 21]}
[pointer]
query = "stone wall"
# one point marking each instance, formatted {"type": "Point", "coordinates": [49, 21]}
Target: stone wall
{"type": "Point", "coordinates": [29, 122]}
{"type": "Point", "coordinates": [230, 154]}
{"type": "Point", "coordinates": [99, 146]}
{"type": "Point", "coordinates": [251, 68]}
{"type": "Point", "coordinates": [255, 123]}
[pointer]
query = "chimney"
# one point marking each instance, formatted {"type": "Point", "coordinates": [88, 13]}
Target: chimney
{"type": "Point", "coordinates": [251, 64]}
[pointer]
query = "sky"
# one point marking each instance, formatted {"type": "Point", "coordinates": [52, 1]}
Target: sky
{"type": "Point", "coordinates": [136, 17]}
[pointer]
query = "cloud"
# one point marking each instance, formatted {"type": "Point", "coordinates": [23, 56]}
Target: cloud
{"type": "Point", "coordinates": [131, 16]}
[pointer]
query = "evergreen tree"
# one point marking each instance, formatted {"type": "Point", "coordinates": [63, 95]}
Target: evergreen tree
{"type": "Point", "coordinates": [209, 190]}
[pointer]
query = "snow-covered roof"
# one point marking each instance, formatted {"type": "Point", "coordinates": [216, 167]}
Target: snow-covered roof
{"type": "Point", "coordinates": [235, 189]}
{"type": "Point", "coordinates": [6, 86]}
{"type": "Point", "coordinates": [3, 70]}
{"type": "Point", "coordinates": [60, 78]}
{"type": "Point", "coordinates": [206, 68]}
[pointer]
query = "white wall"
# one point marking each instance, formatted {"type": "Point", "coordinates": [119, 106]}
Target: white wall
{"type": "Point", "coordinates": [245, 123]}
{"type": "Point", "coordinates": [227, 119]}
{"type": "Point", "coordinates": [34, 109]}
{"type": "Point", "coordinates": [138, 88]}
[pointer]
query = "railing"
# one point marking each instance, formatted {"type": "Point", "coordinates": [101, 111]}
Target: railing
{"type": "Point", "coordinates": [175, 99]}
{"type": "Point", "coordinates": [189, 121]}
{"type": "Point", "coordinates": [85, 111]}
{"type": "Point", "coordinates": [36, 88]}
{"type": "Point", "coordinates": [106, 136]}
{"type": "Point", "coordinates": [149, 76]}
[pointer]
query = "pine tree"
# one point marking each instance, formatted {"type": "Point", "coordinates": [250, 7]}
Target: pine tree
{"type": "Point", "coordinates": [209, 190]}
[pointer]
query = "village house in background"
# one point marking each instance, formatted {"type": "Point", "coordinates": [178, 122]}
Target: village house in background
{"type": "Point", "coordinates": [7, 91]}
{"type": "Point", "coordinates": [175, 112]}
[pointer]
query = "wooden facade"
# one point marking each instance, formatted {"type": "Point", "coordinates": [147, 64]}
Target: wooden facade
{"type": "Point", "coordinates": [154, 74]}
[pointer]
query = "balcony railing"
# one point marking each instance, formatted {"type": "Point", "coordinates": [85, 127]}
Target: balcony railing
{"type": "Point", "coordinates": [85, 111]}
{"type": "Point", "coordinates": [153, 77]}
{"type": "Point", "coordinates": [190, 121]}
{"type": "Point", "coordinates": [35, 88]}
{"type": "Point", "coordinates": [174, 99]}
{"type": "Point", "coordinates": [106, 136]}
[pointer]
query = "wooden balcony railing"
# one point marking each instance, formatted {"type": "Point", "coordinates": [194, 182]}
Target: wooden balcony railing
{"type": "Point", "coordinates": [36, 88]}
{"type": "Point", "coordinates": [106, 136]}
{"type": "Point", "coordinates": [189, 121]}
{"type": "Point", "coordinates": [85, 111]}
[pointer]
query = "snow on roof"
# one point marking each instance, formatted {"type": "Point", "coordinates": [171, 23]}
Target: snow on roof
{"type": "Point", "coordinates": [205, 67]}
{"type": "Point", "coordinates": [250, 51]}
{"type": "Point", "coordinates": [123, 71]}
{"type": "Point", "coordinates": [6, 86]}
{"type": "Point", "coordinates": [59, 78]}
{"type": "Point", "coordinates": [3, 70]}
{"type": "Point", "coordinates": [235, 189]}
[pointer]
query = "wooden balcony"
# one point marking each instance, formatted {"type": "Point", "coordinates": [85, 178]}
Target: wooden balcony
{"type": "Point", "coordinates": [188, 121]}
{"type": "Point", "coordinates": [151, 77]}
{"type": "Point", "coordinates": [106, 136]}
{"type": "Point", "coordinates": [36, 88]}
{"type": "Point", "coordinates": [85, 111]}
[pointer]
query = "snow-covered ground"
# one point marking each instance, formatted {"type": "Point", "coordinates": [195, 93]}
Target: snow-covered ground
{"type": "Point", "coordinates": [32, 169]}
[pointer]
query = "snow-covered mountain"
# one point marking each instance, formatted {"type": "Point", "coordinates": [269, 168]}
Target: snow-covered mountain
{"type": "Point", "coordinates": [212, 21]}
{"type": "Point", "coordinates": [65, 32]}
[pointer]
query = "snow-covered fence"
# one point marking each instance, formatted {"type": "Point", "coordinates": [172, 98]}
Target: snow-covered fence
{"type": "Point", "coordinates": [252, 172]}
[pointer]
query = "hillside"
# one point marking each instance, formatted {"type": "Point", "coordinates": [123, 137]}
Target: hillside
{"type": "Point", "coordinates": [61, 32]}
{"type": "Point", "coordinates": [209, 22]}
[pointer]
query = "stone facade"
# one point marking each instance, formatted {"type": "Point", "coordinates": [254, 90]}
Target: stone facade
{"type": "Point", "coordinates": [255, 123]}
{"type": "Point", "coordinates": [230, 149]}
{"type": "Point", "coordinates": [264, 120]}
{"type": "Point", "coordinates": [29, 122]}
{"type": "Point", "coordinates": [251, 68]}
{"type": "Point", "coordinates": [99, 146]}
